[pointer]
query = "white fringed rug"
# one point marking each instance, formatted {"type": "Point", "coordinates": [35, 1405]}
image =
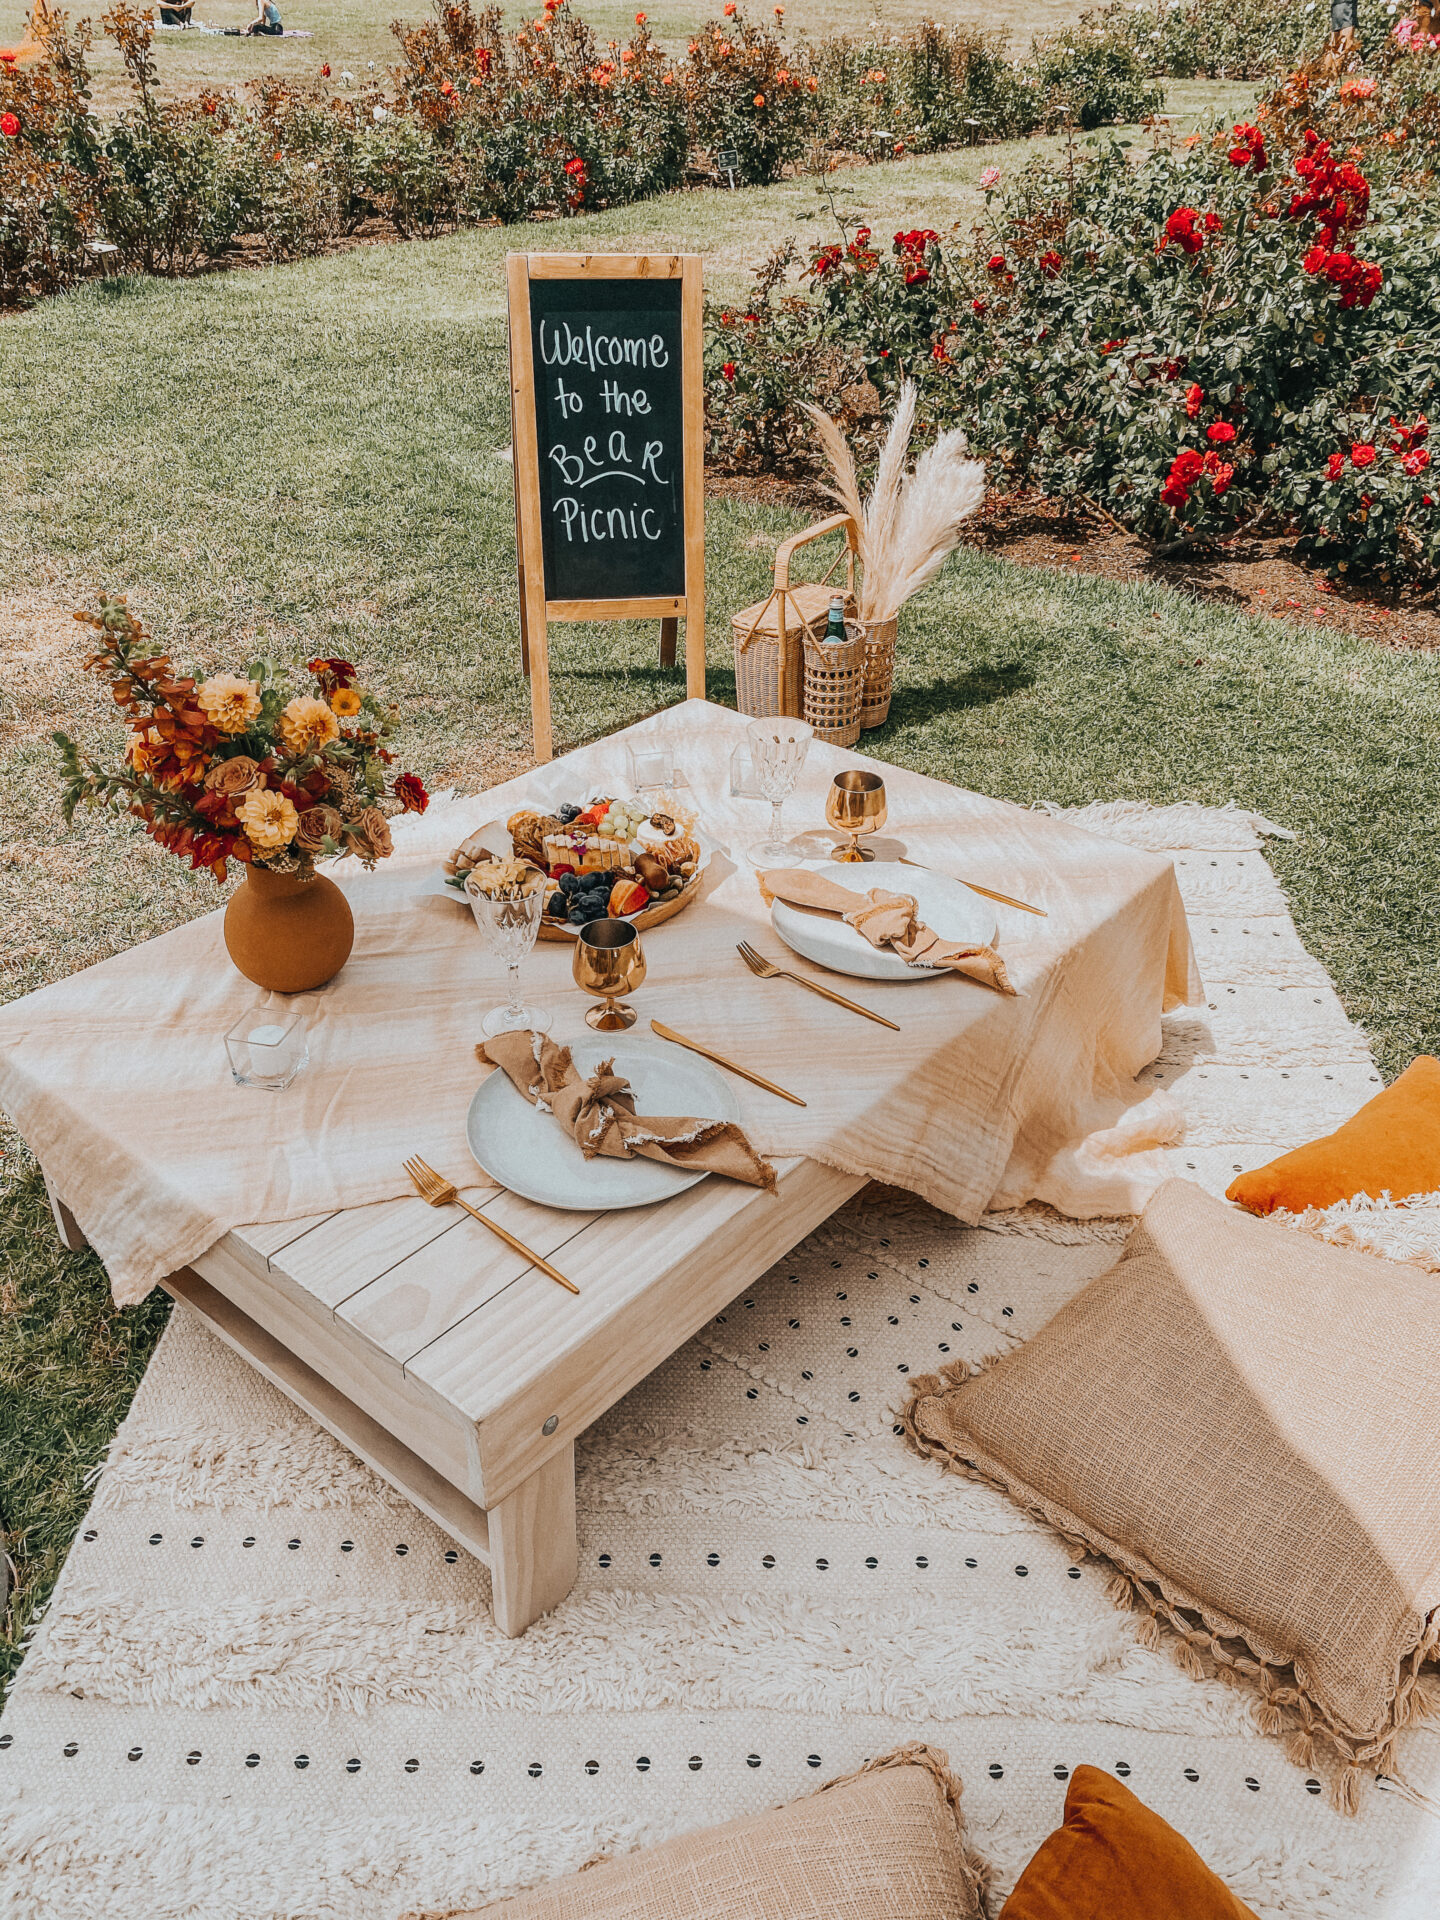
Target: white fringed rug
{"type": "Point", "coordinates": [268, 1690]}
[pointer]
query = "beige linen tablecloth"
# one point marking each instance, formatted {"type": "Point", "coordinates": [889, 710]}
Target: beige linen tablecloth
{"type": "Point", "coordinates": [117, 1078]}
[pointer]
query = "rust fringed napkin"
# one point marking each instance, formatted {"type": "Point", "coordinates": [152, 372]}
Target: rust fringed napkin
{"type": "Point", "coordinates": [1243, 1421]}
{"type": "Point", "coordinates": [600, 1113]}
{"type": "Point", "coordinates": [887, 920]}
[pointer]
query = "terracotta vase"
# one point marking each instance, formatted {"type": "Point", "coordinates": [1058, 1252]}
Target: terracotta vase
{"type": "Point", "coordinates": [288, 933]}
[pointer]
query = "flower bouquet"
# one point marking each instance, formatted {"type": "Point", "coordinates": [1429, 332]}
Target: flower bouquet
{"type": "Point", "coordinates": [244, 768]}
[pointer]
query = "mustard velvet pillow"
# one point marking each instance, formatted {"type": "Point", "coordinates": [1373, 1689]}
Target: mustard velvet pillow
{"type": "Point", "coordinates": [1392, 1145]}
{"type": "Point", "coordinates": [1116, 1860]}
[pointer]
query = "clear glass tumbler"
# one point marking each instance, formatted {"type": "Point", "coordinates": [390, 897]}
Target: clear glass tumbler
{"type": "Point", "coordinates": [777, 753]}
{"type": "Point", "coordinates": [508, 925]}
{"type": "Point", "coordinates": [267, 1047]}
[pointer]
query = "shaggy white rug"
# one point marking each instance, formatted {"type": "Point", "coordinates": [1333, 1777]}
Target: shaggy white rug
{"type": "Point", "coordinates": [268, 1690]}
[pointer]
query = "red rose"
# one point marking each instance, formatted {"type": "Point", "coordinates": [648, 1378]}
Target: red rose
{"type": "Point", "coordinates": [1050, 264]}
{"type": "Point", "coordinates": [575, 167]}
{"type": "Point", "coordinates": [340, 671]}
{"type": "Point", "coordinates": [1417, 461]}
{"type": "Point", "coordinates": [1363, 454]}
{"type": "Point", "coordinates": [996, 263]}
{"type": "Point", "coordinates": [728, 369]}
{"type": "Point", "coordinates": [1221, 433]}
{"type": "Point", "coordinates": [447, 87]}
{"type": "Point", "coordinates": [1194, 400]}
{"type": "Point", "coordinates": [915, 275]}
{"type": "Point", "coordinates": [1180, 228]}
{"type": "Point", "coordinates": [1335, 466]}
{"type": "Point", "coordinates": [9, 125]}
{"type": "Point", "coordinates": [1185, 470]}
{"type": "Point", "coordinates": [410, 792]}
{"type": "Point", "coordinates": [1213, 223]}
{"type": "Point", "coordinates": [325, 71]}
{"type": "Point", "coordinates": [1220, 477]}
{"type": "Point", "coordinates": [979, 306]}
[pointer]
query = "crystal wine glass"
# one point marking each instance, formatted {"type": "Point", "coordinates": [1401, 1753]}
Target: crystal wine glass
{"type": "Point", "coordinates": [777, 753]}
{"type": "Point", "coordinates": [508, 924]}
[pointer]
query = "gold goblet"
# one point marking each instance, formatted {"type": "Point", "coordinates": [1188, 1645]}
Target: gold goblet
{"type": "Point", "coordinates": [855, 804]}
{"type": "Point", "coordinates": [609, 961]}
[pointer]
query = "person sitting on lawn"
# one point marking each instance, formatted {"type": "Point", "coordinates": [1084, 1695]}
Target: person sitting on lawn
{"type": "Point", "coordinates": [176, 13]}
{"type": "Point", "coordinates": [267, 18]}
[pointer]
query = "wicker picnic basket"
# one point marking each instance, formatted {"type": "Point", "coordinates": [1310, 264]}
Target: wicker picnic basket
{"type": "Point", "coordinates": [771, 636]}
{"type": "Point", "coordinates": [879, 671]}
{"type": "Point", "coordinates": [835, 685]}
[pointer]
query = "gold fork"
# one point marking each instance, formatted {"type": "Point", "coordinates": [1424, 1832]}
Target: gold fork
{"type": "Point", "coordinates": [767, 970]}
{"type": "Point", "coordinates": [438, 1192]}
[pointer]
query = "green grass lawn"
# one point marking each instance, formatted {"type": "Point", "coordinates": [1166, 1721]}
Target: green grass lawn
{"type": "Point", "coordinates": [309, 459]}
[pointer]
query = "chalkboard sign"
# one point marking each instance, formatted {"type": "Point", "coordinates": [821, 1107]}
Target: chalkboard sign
{"type": "Point", "coordinates": [608, 425]}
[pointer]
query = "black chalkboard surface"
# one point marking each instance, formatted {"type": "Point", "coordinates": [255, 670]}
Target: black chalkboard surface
{"type": "Point", "coordinates": [607, 366]}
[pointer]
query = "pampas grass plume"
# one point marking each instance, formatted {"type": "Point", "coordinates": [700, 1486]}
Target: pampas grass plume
{"type": "Point", "coordinates": [910, 523]}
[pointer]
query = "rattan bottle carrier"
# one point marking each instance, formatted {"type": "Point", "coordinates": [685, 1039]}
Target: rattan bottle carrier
{"type": "Point", "coordinates": [835, 685]}
{"type": "Point", "coordinates": [771, 637]}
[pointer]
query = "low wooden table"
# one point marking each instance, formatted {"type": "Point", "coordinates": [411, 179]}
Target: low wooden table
{"type": "Point", "coordinates": [461, 1374]}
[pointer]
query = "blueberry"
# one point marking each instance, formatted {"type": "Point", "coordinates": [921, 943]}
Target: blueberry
{"type": "Point", "coordinates": [555, 904]}
{"type": "Point", "coordinates": [567, 813]}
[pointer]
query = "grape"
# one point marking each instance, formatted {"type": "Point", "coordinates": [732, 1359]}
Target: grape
{"type": "Point", "coordinates": [569, 882]}
{"type": "Point", "coordinates": [556, 904]}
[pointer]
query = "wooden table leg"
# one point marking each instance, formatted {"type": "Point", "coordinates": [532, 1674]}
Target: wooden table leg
{"type": "Point", "coordinates": [66, 1225]}
{"type": "Point", "coordinates": [534, 1556]}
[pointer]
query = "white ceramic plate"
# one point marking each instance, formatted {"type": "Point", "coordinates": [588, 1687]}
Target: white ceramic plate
{"type": "Point", "coordinates": [531, 1153]}
{"type": "Point", "coordinates": [944, 904]}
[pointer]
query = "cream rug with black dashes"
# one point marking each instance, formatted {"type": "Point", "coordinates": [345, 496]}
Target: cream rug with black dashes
{"type": "Point", "coordinates": [268, 1690]}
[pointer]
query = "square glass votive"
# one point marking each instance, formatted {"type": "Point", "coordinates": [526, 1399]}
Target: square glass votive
{"type": "Point", "coordinates": [743, 783]}
{"type": "Point", "coordinates": [267, 1047]}
{"type": "Point", "coordinates": [652, 765]}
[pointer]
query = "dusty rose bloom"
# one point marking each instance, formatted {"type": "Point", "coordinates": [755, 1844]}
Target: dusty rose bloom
{"type": "Point", "coordinates": [371, 835]}
{"type": "Point", "coordinates": [237, 775]}
{"type": "Point", "coordinates": [317, 824]}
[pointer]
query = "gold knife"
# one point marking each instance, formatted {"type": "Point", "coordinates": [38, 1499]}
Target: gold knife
{"type": "Point", "coordinates": [975, 887]}
{"type": "Point", "coordinates": [669, 1033]}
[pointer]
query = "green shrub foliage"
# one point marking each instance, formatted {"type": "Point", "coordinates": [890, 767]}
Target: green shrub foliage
{"type": "Point", "coordinates": [478, 122]}
{"type": "Point", "coordinates": [1234, 332]}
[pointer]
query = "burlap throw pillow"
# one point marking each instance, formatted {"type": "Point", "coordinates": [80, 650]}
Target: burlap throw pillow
{"type": "Point", "coordinates": [1247, 1423]}
{"type": "Point", "coordinates": [887, 1843]}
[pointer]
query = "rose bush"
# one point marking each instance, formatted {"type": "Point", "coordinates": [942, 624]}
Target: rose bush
{"type": "Point", "coordinates": [478, 122]}
{"type": "Point", "coordinates": [1191, 343]}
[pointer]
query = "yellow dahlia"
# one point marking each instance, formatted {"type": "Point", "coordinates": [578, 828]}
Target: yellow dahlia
{"type": "Point", "coordinates": [308, 724]}
{"type": "Point", "coordinates": [228, 702]}
{"type": "Point", "coordinates": [346, 702]}
{"type": "Point", "coordinates": [269, 820]}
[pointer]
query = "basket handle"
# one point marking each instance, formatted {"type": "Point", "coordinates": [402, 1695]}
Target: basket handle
{"type": "Point", "coordinates": [834, 524]}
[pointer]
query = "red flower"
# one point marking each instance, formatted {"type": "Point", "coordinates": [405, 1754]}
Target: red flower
{"type": "Point", "coordinates": [915, 275]}
{"type": "Point", "coordinates": [1249, 148]}
{"type": "Point", "coordinates": [325, 71]}
{"type": "Point", "coordinates": [1416, 461]}
{"type": "Point", "coordinates": [482, 59]}
{"type": "Point", "coordinates": [410, 792]}
{"type": "Point", "coordinates": [1335, 466]}
{"type": "Point", "coordinates": [1185, 470]}
{"type": "Point", "coordinates": [1180, 228]}
{"type": "Point", "coordinates": [824, 259]}
{"type": "Point", "coordinates": [1213, 223]}
{"type": "Point", "coordinates": [9, 125]}
{"type": "Point", "coordinates": [728, 369]}
{"type": "Point", "coordinates": [996, 263]}
{"type": "Point", "coordinates": [1194, 400]}
{"type": "Point", "coordinates": [1220, 477]}
{"type": "Point", "coordinates": [575, 167]}
{"type": "Point", "coordinates": [1409, 436]}
{"type": "Point", "coordinates": [341, 672]}
{"type": "Point", "coordinates": [939, 352]}
{"type": "Point", "coordinates": [979, 306]}
{"type": "Point", "coordinates": [1050, 264]}
{"type": "Point", "coordinates": [1362, 453]}
{"type": "Point", "coordinates": [1221, 433]}
{"type": "Point", "coordinates": [1336, 192]}
{"type": "Point", "coordinates": [447, 87]}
